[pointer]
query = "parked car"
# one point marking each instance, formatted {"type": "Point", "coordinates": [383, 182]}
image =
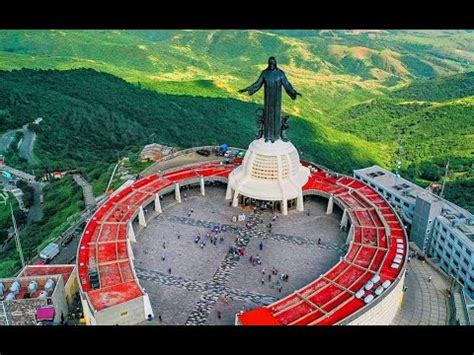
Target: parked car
{"type": "Point", "coordinates": [204, 152]}
{"type": "Point", "coordinates": [48, 253]}
{"type": "Point", "coordinates": [231, 153]}
{"type": "Point", "coordinates": [68, 239]}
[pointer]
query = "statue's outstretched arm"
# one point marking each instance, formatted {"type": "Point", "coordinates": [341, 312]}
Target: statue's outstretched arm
{"type": "Point", "coordinates": [289, 88]}
{"type": "Point", "coordinates": [255, 86]}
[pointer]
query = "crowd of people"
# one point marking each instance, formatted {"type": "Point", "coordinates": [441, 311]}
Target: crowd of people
{"type": "Point", "coordinates": [216, 234]}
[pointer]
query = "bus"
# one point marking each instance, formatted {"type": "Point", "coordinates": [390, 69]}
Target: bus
{"type": "Point", "coordinates": [7, 175]}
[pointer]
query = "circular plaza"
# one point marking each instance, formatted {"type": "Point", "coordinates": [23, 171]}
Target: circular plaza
{"type": "Point", "coordinates": [200, 265]}
{"type": "Point", "coordinates": [172, 248]}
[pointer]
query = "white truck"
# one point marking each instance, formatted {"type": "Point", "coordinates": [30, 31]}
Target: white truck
{"type": "Point", "coordinates": [48, 253]}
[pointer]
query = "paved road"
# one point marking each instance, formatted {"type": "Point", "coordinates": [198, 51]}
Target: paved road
{"type": "Point", "coordinates": [21, 174]}
{"type": "Point", "coordinates": [67, 253]}
{"type": "Point", "coordinates": [26, 147]}
{"type": "Point", "coordinates": [35, 212]}
{"type": "Point", "coordinates": [424, 302]}
{"type": "Point", "coordinates": [6, 139]}
{"type": "Point", "coordinates": [89, 198]}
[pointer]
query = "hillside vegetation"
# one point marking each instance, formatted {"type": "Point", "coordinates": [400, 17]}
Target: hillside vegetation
{"type": "Point", "coordinates": [433, 122]}
{"type": "Point", "coordinates": [104, 94]}
{"type": "Point", "coordinates": [91, 118]}
{"type": "Point", "coordinates": [333, 68]}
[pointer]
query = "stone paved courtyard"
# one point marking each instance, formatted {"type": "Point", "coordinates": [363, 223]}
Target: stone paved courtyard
{"type": "Point", "coordinates": [424, 302]}
{"type": "Point", "coordinates": [207, 280]}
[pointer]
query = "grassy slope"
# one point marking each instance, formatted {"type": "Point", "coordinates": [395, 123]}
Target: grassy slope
{"type": "Point", "coordinates": [62, 199]}
{"type": "Point", "coordinates": [335, 70]}
{"type": "Point", "coordinates": [92, 103]}
{"type": "Point", "coordinates": [434, 121]}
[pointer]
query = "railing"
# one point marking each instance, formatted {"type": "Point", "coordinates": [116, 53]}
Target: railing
{"type": "Point", "coordinates": [4, 314]}
{"type": "Point", "coordinates": [458, 307]}
{"type": "Point", "coordinates": [152, 167]}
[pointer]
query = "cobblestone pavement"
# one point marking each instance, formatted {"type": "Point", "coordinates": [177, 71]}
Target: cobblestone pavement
{"type": "Point", "coordinates": [199, 286]}
{"type": "Point", "coordinates": [256, 234]}
{"type": "Point", "coordinates": [194, 284]}
{"type": "Point", "coordinates": [424, 302]}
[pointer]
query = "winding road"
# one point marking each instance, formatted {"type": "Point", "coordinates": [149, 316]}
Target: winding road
{"type": "Point", "coordinates": [26, 151]}
{"type": "Point", "coordinates": [26, 147]}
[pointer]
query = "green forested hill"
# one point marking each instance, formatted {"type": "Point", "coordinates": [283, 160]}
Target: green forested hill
{"type": "Point", "coordinates": [431, 118]}
{"type": "Point", "coordinates": [333, 68]}
{"type": "Point", "coordinates": [89, 118]}
{"type": "Point", "coordinates": [104, 93]}
{"type": "Point", "coordinates": [432, 121]}
{"type": "Point", "coordinates": [439, 89]}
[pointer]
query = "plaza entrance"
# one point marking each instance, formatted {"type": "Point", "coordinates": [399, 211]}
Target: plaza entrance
{"type": "Point", "coordinates": [271, 206]}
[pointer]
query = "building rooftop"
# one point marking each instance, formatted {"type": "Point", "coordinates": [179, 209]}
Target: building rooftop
{"type": "Point", "coordinates": [396, 184]}
{"type": "Point", "coordinates": [457, 216]}
{"type": "Point", "coordinates": [42, 270]}
{"type": "Point", "coordinates": [24, 281]}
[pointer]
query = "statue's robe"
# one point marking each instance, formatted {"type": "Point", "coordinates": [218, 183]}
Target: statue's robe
{"type": "Point", "coordinates": [272, 80]}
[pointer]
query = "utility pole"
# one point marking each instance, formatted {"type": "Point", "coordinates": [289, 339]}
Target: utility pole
{"type": "Point", "coordinates": [441, 194]}
{"type": "Point", "coordinates": [399, 160]}
{"type": "Point", "coordinates": [17, 238]}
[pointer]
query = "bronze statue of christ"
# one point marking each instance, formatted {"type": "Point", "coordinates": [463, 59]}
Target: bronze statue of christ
{"type": "Point", "coordinates": [272, 78]}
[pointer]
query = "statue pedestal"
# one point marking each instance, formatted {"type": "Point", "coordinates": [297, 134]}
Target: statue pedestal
{"type": "Point", "coordinates": [269, 172]}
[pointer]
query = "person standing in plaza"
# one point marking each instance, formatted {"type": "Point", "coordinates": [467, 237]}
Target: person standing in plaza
{"type": "Point", "coordinates": [261, 245]}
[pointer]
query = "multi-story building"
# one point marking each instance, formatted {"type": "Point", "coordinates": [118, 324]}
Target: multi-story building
{"type": "Point", "coordinates": [441, 229]}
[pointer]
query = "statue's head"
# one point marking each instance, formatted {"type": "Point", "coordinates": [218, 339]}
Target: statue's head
{"type": "Point", "coordinates": [272, 63]}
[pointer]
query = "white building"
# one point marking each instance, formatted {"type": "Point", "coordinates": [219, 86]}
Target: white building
{"type": "Point", "coordinates": [441, 229]}
{"type": "Point", "coordinates": [269, 172]}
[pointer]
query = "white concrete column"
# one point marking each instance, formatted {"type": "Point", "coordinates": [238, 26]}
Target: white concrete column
{"type": "Point", "coordinates": [299, 202]}
{"type": "Point", "coordinates": [235, 201]}
{"type": "Point", "coordinates": [141, 217]}
{"type": "Point", "coordinates": [130, 250]}
{"type": "Point", "coordinates": [147, 305]}
{"type": "Point", "coordinates": [158, 204]}
{"type": "Point", "coordinates": [177, 193]}
{"type": "Point", "coordinates": [131, 233]}
{"type": "Point", "coordinates": [228, 192]}
{"type": "Point", "coordinates": [284, 207]}
{"type": "Point", "coordinates": [350, 235]}
{"type": "Point", "coordinates": [89, 317]}
{"type": "Point", "coordinates": [203, 191]}
{"type": "Point", "coordinates": [330, 205]}
{"type": "Point", "coordinates": [344, 218]}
